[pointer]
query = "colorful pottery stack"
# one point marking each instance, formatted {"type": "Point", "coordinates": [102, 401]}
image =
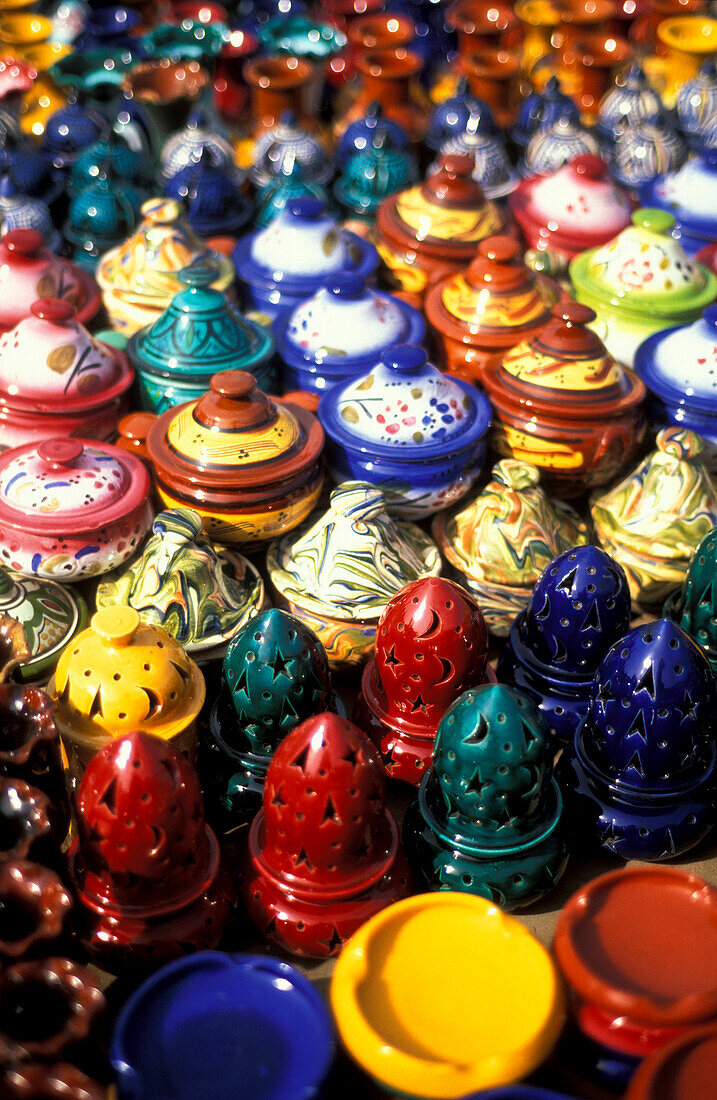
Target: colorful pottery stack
{"type": "Point", "coordinates": [145, 865]}
{"type": "Point", "coordinates": [677, 193]}
{"type": "Point", "coordinates": [695, 607]}
{"type": "Point", "coordinates": [275, 676]}
{"type": "Point", "coordinates": [431, 646]}
{"type": "Point", "coordinates": [199, 334]}
{"type": "Point", "coordinates": [496, 303]}
{"type": "Point", "coordinates": [579, 608]}
{"type": "Point", "coordinates": [248, 465]}
{"type": "Point", "coordinates": [415, 433]}
{"type": "Point", "coordinates": [324, 853]}
{"type": "Point", "coordinates": [50, 615]}
{"type": "Point", "coordinates": [34, 272]}
{"type": "Point", "coordinates": [640, 283]}
{"type": "Point", "coordinates": [639, 776]}
{"type": "Point", "coordinates": [653, 521]}
{"type": "Point", "coordinates": [139, 679]}
{"type": "Point", "coordinates": [500, 543]}
{"type": "Point", "coordinates": [338, 575]}
{"type": "Point", "coordinates": [562, 403]}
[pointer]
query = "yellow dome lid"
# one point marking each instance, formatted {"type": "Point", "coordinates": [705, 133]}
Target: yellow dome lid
{"type": "Point", "coordinates": [121, 675]}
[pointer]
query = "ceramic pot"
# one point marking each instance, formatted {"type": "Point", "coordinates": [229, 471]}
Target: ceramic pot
{"type": "Point", "coordinates": [696, 224]}
{"type": "Point", "coordinates": [371, 176]}
{"type": "Point", "coordinates": [32, 826]}
{"type": "Point", "coordinates": [30, 751]}
{"type": "Point", "coordinates": [22, 212]}
{"type": "Point", "coordinates": [36, 273]}
{"type": "Point", "coordinates": [278, 85]}
{"type": "Point", "coordinates": [645, 151]}
{"type": "Point", "coordinates": [455, 116]}
{"type": "Point", "coordinates": [165, 91]}
{"type": "Point", "coordinates": [49, 614]}
{"type": "Point", "coordinates": [493, 77]}
{"type": "Point", "coordinates": [643, 32]}
{"type": "Point", "coordinates": [231, 90]}
{"type": "Point", "coordinates": [559, 143]}
{"type": "Point", "coordinates": [629, 103]}
{"type": "Point", "coordinates": [52, 1081]}
{"type": "Point", "coordinates": [101, 217]}
{"type": "Point", "coordinates": [539, 21]}
{"type": "Point", "coordinates": [483, 26]}
{"type": "Point", "coordinates": [693, 607]}
{"type": "Point", "coordinates": [686, 43]}
{"type": "Point", "coordinates": [286, 151]}
{"type": "Point", "coordinates": [586, 67]}
{"type": "Point", "coordinates": [684, 1064]}
{"type": "Point", "coordinates": [541, 109]}
{"type": "Point", "coordinates": [697, 103]}
{"type": "Point", "coordinates": [388, 77]}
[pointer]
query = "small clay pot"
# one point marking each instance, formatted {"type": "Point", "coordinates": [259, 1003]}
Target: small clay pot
{"type": "Point", "coordinates": [46, 1008]}
{"type": "Point", "coordinates": [484, 26]}
{"type": "Point", "coordinates": [493, 77]}
{"type": "Point", "coordinates": [587, 64]}
{"type": "Point", "coordinates": [34, 905]}
{"type": "Point", "coordinates": [277, 86]}
{"type": "Point", "coordinates": [389, 77]}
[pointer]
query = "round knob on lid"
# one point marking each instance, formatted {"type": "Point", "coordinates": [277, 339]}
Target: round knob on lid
{"type": "Point", "coordinates": [404, 358]}
{"type": "Point", "coordinates": [573, 313]}
{"type": "Point", "coordinates": [658, 221]}
{"type": "Point", "coordinates": [23, 242]}
{"type": "Point", "coordinates": [199, 273]}
{"type": "Point", "coordinates": [306, 208]}
{"type": "Point", "coordinates": [56, 453]}
{"type": "Point", "coordinates": [233, 403]}
{"type": "Point", "coordinates": [162, 211]}
{"type": "Point", "coordinates": [56, 310]}
{"type": "Point", "coordinates": [346, 285]}
{"type": "Point", "coordinates": [499, 249]}
{"type": "Point", "coordinates": [456, 164]}
{"type": "Point", "coordinates": [679, 443]}
{"type": "Point", "coordinates": [453, 183]}
{"type": "Point", "coordinates": [590, 166]}
{"type": "Point", "coordinates": [234, 384]}
{"type": "Point", "coordinates": [116, 625]}
{"type": "Point", "coordinates": [516, 475]}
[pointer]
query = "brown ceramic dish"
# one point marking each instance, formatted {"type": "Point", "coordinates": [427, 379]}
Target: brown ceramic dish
{"type": "Point", "coordinates": [46, 1007]}
{"type": "Point", "coordinates": [34, 905]}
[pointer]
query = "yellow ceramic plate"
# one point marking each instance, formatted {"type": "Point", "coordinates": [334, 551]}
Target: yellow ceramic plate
{"type": "Point", "coordinates": [443, 994]}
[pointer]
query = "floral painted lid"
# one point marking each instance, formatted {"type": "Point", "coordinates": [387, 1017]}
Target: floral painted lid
{"type": "Point", "coordinates": [354, 558]}
{"type": "Point", "coordinates": [645, 269]}
{"type": "Point", "coordinates": [680, 364]}
{"type": "Point", "coordinates": [50, 615]}
{"type": "Point", "coordinates": [575, 207]}
{"type": "Point", "coordinates": [33, 272]}
{"type": "Point", "coordinates": [49, 362]}
{"type": "Point", "coordinates": [512, 530]}
{"type": "Point", "coordinates": [405, 403]}
{"type": "Point", "coordinates": [304, 239]}
{"type": "Point", "coordinates": [69, 485]}
{"type": "Point", "coordinates": [690, 194]}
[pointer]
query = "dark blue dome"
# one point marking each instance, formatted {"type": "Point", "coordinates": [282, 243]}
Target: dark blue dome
{"type": "Point", "coordinates": [542, 109]}
{"type": "Point", "coordinates": [454, 116]}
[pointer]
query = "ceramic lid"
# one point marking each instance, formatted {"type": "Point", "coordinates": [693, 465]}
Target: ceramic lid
{"type": "Point", "coordinates": [23, 212]}
{"type": "Point", "coordinates": [354, 558]}
{"type": "Point", "coordinates": [50, 363]}
{"type": "Point", "coordinates": [680, 365]}
{"type": "Point", "coordinates": [540, 109]}
{"type": "Point", "coordinates": [111, 156]}
{"type": "Point", "coordinates": [495, 301]}
{"type": "Point", "coordinates": [512, 530]}
{"type": "Point", "coordinates": [697, 99]}
{"type": "Point", "coordinates": [646, 150]}
{"type": "Point", "coordinates": [50, 615]}
{"type": "Point", "coordinates": [558, 144]}
{"type": "Point", "coordinates": [301, 37]}
{"type": "Point", "coordinates": [185, 147]}
{"type": "Point", "coordinates": [200, 332]}
{"type": "Point", "coordinates": [632, 100]}
{"type": "Point", "coordinates": [492, 169]}
{"type": "Point", "coordinates": [34, 272]}
{"type": "Point", "coordinates": [405, 409]}
{"type": "Point", "coordinates": [234, 437]}
{"type": "Point", "coordinates": [100, 215]}
{"type": "Point", "coordinates": [146, 267]}
{"type": "Point", "coordinates": [682, 1069]}
{"type": "Point", "coordinates": [303, 240]}
{"type": "Point", "coordinates": [445, 216]}
{"type": "Point", "coordinates": [69, 485]}
{"type": "Point", "coordinates": [213, 201]}
{"type": "Point", "coordinates": [667, 504]}
{"type": "Point", "coordinates": [575, 206]}
{"type": "Point", "coordinates": [364, 132]}
{"type": "Point", "coordinates": [645, 269]}
{"type": "Point", "coordinates": [285, 149]}
{"type": "Point", "coordinates": [372, 174]}
{"type": "Point", "coordinates": [689, 194]}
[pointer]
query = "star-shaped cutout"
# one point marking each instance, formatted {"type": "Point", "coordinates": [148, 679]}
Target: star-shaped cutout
{"type": "Point", "coordinates": [690, 709]}
{"type": "Point", "coordinates": [351, 756]}
{"type": "Point", "coordinates": [610, 839]}
{"type": "Point", "coordinates": [391, 658]}
{"type": "Point", "coordinates": [278, 800]}
{"type": "Point", "coordinates": [418, 704]}
{"type": "Point", "coordinates": [670, 849]}
{"type": "Point", "coordinates": [605, 694]}
{"type": "Point", "coordinates": [334, 944]}
{"type": "Point", "coordinates": [279, 666]}
{"type": "Point", "coordinates": [475, 783]}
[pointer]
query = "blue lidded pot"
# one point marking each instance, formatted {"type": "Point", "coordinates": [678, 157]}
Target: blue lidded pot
{"type": "Point", "coordinates": [225, 1026]}
{"type": "Point", "coordinates": [341, 332]}
{"type": "Point", "coordinates": [690, 195]}
{"type": "Point", "coordinates": [539, 110]}
{"type": "Point", "coordinates": [416, 433]}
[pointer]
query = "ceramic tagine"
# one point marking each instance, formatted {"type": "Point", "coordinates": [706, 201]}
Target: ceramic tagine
{"type": "Point", "coordinates": [55, 379]}
{"type": "Point", "coordinates": [199, 334]}
{"type": "Point", "coordinates": [645, 151]}
{"type": "Point", "coordinates": [492, 168]}
{"type": "Point", "coordinates": [500, 543]}
{"type": "Point", "coordinates": [372, 174]}
{"type": "Point", "coordinates": [286, 149]}
{"type": "Point", "coordinates": [215, 206]}
{"type": "Point", "coordinates": [564, 405]}
{"type": "Point", "coordinates": [185, 147]}
{"type": "Point", "coordinates": [488, 816]}
{"type": "Point", "coordinates": [690, 196]}
{"type": "Point", "coordinates": [415, 433]}
{"type": "Point", "coordinates": [324, 853]}
{"type": "Point", "coordinates": [340, 332]}
{"type": "Point", "coordinates": [553, 146]}
{"type": "Point", "coordinates": [18, 211]}
{"type": "Point", "coordinates": [541, 109]}
{"type": "Point", "coordinates": [139, 679]}
{"type": "Point", "coordinates": [282, 191]}
{"type": "Point", "coordinates": [571, 209]}
{"type": "Point", "coordinates": [338, 575]}
{"type": "Point", "coordinates": [141, 276]}
{"type": "Point", "coordinates": [431, 646]}
{"type": "Point", "coordinates": [579, 608]}
{"type": "Point", "coordinates": [639, 778]}
{"type": "Point", "coordinates": [641, 282]}
{"type": "Point", "coordinates": [199, 593]}
{"type": "Point", "coordinates": [289, 260]}
{"type": "Point", "coordinates": [432, 230]}
{"type": "Point", "coordinates": [71, 508]}
{"type": "Point", "coordinates": [275, 676]}
{"type": "Point", "coordinates": [145, 865]}
{"type": "Point", "coordinates": [653, 521]}
{"type": "Point", "coordinates": [34, 272]}
{"type": "Point", "coordinates": [372, 129]}
{"type": "Point", "coordinates": [452, 117]}
{"type": "Point", "coordinates": [697, 103]}
{"type": "Point", "coordinates": [631, 102]}
{"type": "Point", "coordinates": [493, 305]}
{"type": "Point", "coordinates": [101, 217]}
{"type": "Point", "coordinates": [50, 615]}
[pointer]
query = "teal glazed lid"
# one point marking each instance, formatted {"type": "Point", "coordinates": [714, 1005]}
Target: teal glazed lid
{"type": "Point", "coordinates": [200, 334]}
{"type": "Point", "coordinates": [302, 37]}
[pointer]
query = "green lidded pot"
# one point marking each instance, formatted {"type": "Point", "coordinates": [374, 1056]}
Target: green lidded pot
{"type": "Point", "coordinates": [50, 614]}
{"type": "Point", "coordinates": [695, 606]}
{"type": "Point", "coordinates": [198, 335]}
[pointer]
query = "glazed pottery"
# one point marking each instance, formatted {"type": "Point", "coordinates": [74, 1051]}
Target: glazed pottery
{"type": "Point", "coordinates": [541, 109]}
{"type": "Point", "coordinates": [653, 521]}
{"type": "Point", "coordinates": [490, 307]}
{"type": "Point", "coordinates": [561, 142]}
{"type": "Point", "coordinates": [417, 434]}
{"type": "Point", "coordinates": [340, 332]}
{"type": "Point", "coordinates": [697, 103]}
{"type": "Point", "coordinates": [453, 116]}
{"type": "Point", "coordinates": [68, 131]}
{"type": "Point", "coordinates": [165, 92]}
{"type": "Point", "coordinates": [432, 230]}
{"type": "Point", "coordinates": [645, 151]}
{"type": "Point", "coordinates": [199, 334]}
{"type": "Point", "coordinates": [676, 192]}
{"type": "Point", "coordinates": [683, 1067]}
{"type": "Point", "coordinates": [562, 403]}
{"type": "Point", "coordinates": [586, 67]}
{"type": "Point", "coordinates": [141, 276]}
{"type": "Point", "coordinates": [676, 365]}
{"type": "Point", "coordinates": [32, 827]}
{"type": "Point", "coordinates": [339, 573]}
{"type": "Point", "coordinates": [215, 206]}
{"type": "Point", "coordinates": [389, 77]}
{"type": "Point", "coordinates": [145, 865]}
{"type": "Point", "coordinates": [31, 172]}
{"type": "Point", "coordinates": [686, 42]}
{"type": "Point", "coordinates": [139, 679]}
{"type": "Point", "coordinates": [47, 1006]}
{"type": "Point", "coordinates": [431, 646]}
{"type": "Point", "coordinates": [493, 76]}
{"type": "Point", "coordinates": [443, 994]}
{"type": "Point", "coordinates": [199, 593]}
{"type": "Point", "coordinates": [641, 282]}
{"type": "Point", "coordinates": [694, 607]}
{"type": "Point", "coordinates": [371, 175]}
{"type": "Point", "coordinates": [186, 146]}
{"type": "Point", "coordinates": [639, 775]}
{"type": "Point", "coordinates": [30, 751]}
{"type": "Point", "coordinates": [341, 861]}
{"type": "Point", "coordinates": [286, 149]}
{"type": "Point", "coordinates": [487, 819]}
{"type": "Point", "coordinates": [492, 168]}
{"type": "Point", "coordinates": [287, 262]}
{"type": "Point", "coordinates": [35, 273]}
{"type": "Point", "coordinates": [71, 508]}
{"type": "Point", "coordinates": [275, 675]}
{"type": "Point", "coordinates": [251, 1018]}
{"type": "Point", "coordinates": [19, 211]}
{"type": "Point", "coordinates": [571, 209]}
{"type": "Point", "coordinates": [631, 102]}
{"type": "Point", "coordinates": [111, 157]}
{"type": "Point", "coordinates": [50, 615]}
{"type": "Point", "coordinates": [55, 379]}
{"type": "Point", "coordinates": [579, 607]}
{"type": "Point", "coordinates": [277, 195]}
{"type": "Point", "coordinates": [50, 1081]}
{"type": "Point", "coordinates": [500, 542]}
{"type": "Point", "coordinates": [101, 217]}
{"type": "Point", "coordinates": [189, 41]}
{"type": "Point", "coordinates": [231, 91]}
{"type": "Point", "coordinates": [277, 86]}
{"type": "Point", "coordinates": [34, 906]}
{"type": "Point", "coordinates": [372, 129]}
{"type": "Point", "coordinates": [249, 465]}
